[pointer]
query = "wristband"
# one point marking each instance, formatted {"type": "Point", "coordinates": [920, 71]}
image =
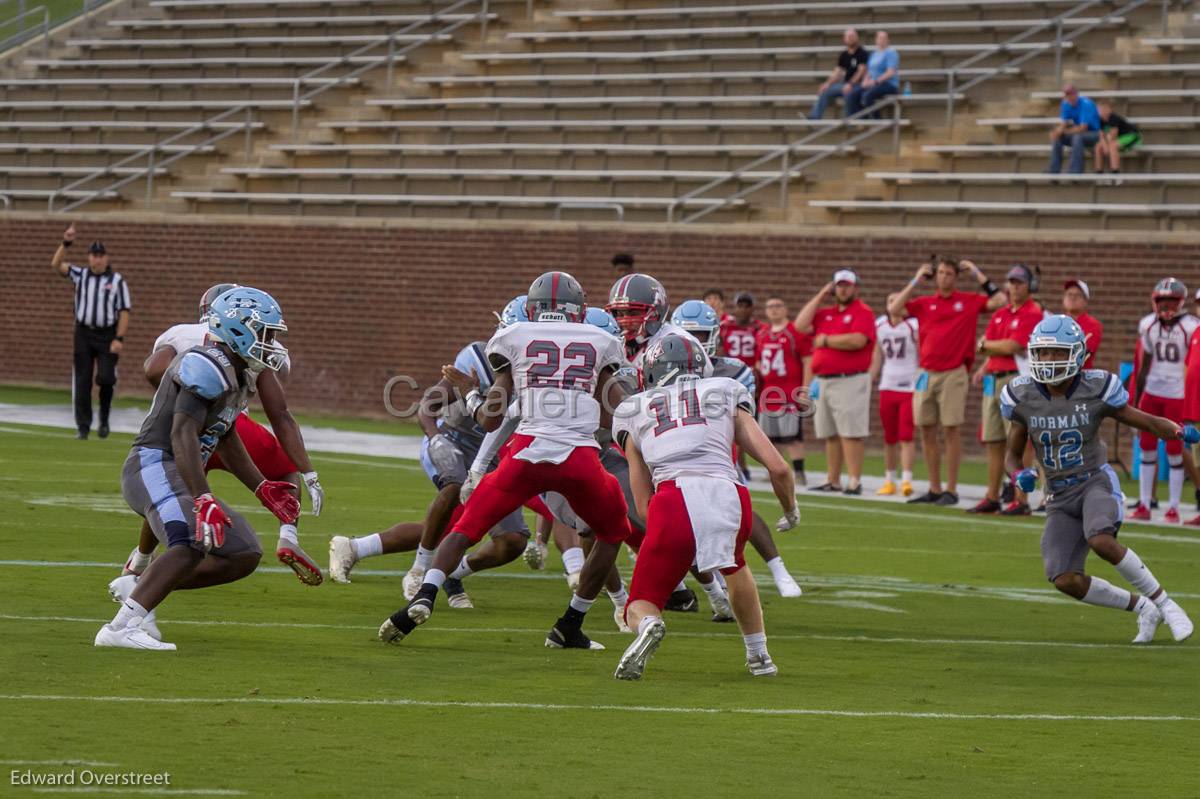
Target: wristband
{"type": "Point", "coordinates": [989, 287]}
{"type": "Point", "coordinates": [914, 282]}
{"type": "Point", "coordinates": [119, 338]}
{"type": "Point", "coordinates": [473, 400]}
{"type": "Point", "coordinates": [67, 243]}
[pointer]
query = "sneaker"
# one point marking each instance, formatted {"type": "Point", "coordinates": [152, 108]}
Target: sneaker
{"type": "Point", "coordinates": [389, 633]}
{"type": "Point", "coordinates": [985, 505]}
{"type": "Point", "coordinates": [619, 618]}
{"type": "Point", "coordinates": [853, 492]}
{"type": "Point", "coordinates": [1015, 508]}
{"type": "Point", "coordinates": [457, 596]}
{"type": "Point", "coordinates": [633, 661]}
{"type": "Point", "coordinates": [341, 559]}
{"type": "Point", "coordinates": [1171, 516]}
{"type": "Point", "coordinates": [722, 611]}
{"type": "Point", "coordinates": [1181, 626]}
{"type": "Point", "coordinates": [928, 498]}
{"type": "Point", "coordinates": [683, 601]}
{"type": "Point", "coordinates": [120, 589]}
{"type": "Point", "coordinates": [570, 638]}
{"type": "Point", "coordinates": [1147, 621]}
{"type": "Point", "coordinates": [827, 487]}
{"type": "Point", "coordinates": [535, 555]}
{"type": "Point", "coordinates": [130, 637]}
{"type": "Point", "coordinates": [1140, 514]}
{"type": "Point", "coordinates": [411, 583]}
{"type": "Point", "coordinates": [947, 498]}
{"type": "Point", "coordinates": [906, 488]}
{"type": "Point", "coordinates": [296, 559]}
{"type": "Point", "coordinates": [888, 489]}
{"type": "Point", "coordinates": [1193, 522]}
{"type": "Point", "coordinates": [761, 666]}
{"type": "Point", "coordinates": [788, 588]}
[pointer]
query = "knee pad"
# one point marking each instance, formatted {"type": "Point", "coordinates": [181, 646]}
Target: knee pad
{"type": "Point", "coordinates": [178, 534]}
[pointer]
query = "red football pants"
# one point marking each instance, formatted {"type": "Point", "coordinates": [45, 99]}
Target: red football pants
{"type": "Point", "coordinates": [262, 446]}
{"type": "Point", "coordinates": [1161, 406]}
{"type": "Point", "coordinates": [896, 414]}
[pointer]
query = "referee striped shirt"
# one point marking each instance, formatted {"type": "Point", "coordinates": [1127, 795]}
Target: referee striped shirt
{"type": "Point", "coordinates": [98, 298]}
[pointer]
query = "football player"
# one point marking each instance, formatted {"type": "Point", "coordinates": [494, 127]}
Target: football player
{"type": "Point", "coordinates": [679, 436]}
{"type": "Point", "coordinates": [1164, 336]}
{"type": "Point", "coordinates": [163, 479]}
{"type": "Point", "coordinates": [281, 456]}
{"type": "Point", "coordinates": [563, 375]}
{"type": "Point", "coordinates": [1059, 407]}
{"type": "Point", "coordinates": [894, 364]}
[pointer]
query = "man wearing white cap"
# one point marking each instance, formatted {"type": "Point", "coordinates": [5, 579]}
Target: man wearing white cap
{"type": "Point", "coordinates": [843, 343]}
{"type": "Point", "coordinates": [1076, 296]}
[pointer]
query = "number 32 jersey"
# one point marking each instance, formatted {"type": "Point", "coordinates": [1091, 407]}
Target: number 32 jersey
{"type": "Point", "coordinates": [1167, 346]}
{"type": "Point", "coordinates": [555, 368]}
{"type": "Point", "coordinates": [1065, 430]}
{"type": "Point", "coordinates": [686, 428]}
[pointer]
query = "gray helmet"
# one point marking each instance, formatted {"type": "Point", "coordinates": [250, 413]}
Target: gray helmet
{"type": "Point", "coordinates": [639, 304]}
{"type": "Point", "coordinates": [670, 358]}
{"type": "Point", "coordinates": [554, 295]}
{"type": "Point", "coordinates": [206, 299]}
{"type": "Point", "coordinates": [1169, 288]}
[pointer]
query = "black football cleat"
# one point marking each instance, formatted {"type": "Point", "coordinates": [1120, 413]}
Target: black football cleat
{"type": "Point", "coordinates": [683, 601]}
{"type": "Point", "coordinates": [563, 637]}
{"type": "Point", "coordinates": [103, 431]}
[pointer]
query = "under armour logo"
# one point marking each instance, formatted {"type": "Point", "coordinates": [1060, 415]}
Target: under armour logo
{"type": "Point", "coordinates": [1080, 407]}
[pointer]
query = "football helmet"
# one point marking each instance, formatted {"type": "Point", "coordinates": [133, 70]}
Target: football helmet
{"type": "Point", "coordinates": [671, 358]}
{"type": "Point", "coordinates": [555, 297]}
{"type": "Point", "coordinates": [1169, 296]}
{"type": "Point", "coordinates": [603, 320]}
{"type": "Point", "coordinates": [639, 304]}
{"type": "Point", "coordinates": [1056, 334]}
{"type": "Point", "coordinates": [699, 319]}
{"type": "Point", "coordinates": [247, 320]}
{"type": "Point", "coordinates": [206, 299]}
{"type": "Point", "coordinates": [513, 312]}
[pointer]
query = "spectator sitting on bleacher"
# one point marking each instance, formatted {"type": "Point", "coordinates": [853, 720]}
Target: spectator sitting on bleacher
{"type": "Point", "coordinates": [882, 78]}
{"type": "Point", "coordinates": [849, 72]}
{"type": "Point", "coordinates": [1117, 135]}
{"type": "Point", "coordinates": [1078, 125]}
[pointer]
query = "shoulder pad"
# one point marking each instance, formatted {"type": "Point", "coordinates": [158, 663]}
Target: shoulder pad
{"type": "Point", "coordinates": [198, 374]}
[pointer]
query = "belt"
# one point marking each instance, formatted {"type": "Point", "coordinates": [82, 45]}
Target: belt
{"type": "Point", "coordinates": [108, 329]}
{"type": "Point", "coordinates": [998, 375]}
{"type": "Point", "coordinates": [841, 374]}
{"type": "Point", "coordinates": [1067, 482]}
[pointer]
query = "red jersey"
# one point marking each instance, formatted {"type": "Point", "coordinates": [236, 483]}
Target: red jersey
{"type": "Point", "coordinates": [1191, 381]}
{"type": "Point", "coordinates": [1093, 331]}
{"type": "Point", "coordinates": [947, 328]}
{"type": "Point", "coordinates": [781, 355]}
{"type": "Point", "coordinates": [739, 340]}
{"type": "Point", "coordinates": [856, 317]}
{"type": "Point", "coordinates": [1016, 324]}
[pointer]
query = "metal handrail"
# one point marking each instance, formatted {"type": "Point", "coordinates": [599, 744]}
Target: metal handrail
{"type": "Point", "coordinates": [618, 208]}
{"type": "Point", "coordinates": [788, 170]}
{"type": "Point", "coordinates": [23, 34]}
{"type": "Point", "coordinates": [249, 111]}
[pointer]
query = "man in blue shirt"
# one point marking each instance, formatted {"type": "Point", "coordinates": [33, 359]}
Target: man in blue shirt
{"type": "Point", "coordinates": [881, 80]}
{"type": "Point", "coordinates": [1078, 125]}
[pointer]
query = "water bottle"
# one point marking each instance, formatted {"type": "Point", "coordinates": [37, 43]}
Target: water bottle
{"type": "Point", "coordinates": [908, 88]}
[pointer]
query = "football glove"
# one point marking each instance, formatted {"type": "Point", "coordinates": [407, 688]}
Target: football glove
{"type": "Point", "coordinates": [210, 522]}
{"type": "Point", "coordinates": [790, 519]}
{"type": "Point", "coordinates": [315, 493]}
{"type": "Point", "coordinates": [446, 458]}
{"type": "Point", "coordinates": [473, 478]}
{"type": "Point", "coordinates": [1026, 479]}
{"type": "Point", "coordinates": [1190, 434]}
{"type": "Point", "coordinates": [277, 496]}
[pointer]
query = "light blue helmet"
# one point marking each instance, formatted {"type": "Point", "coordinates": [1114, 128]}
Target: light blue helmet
{"type": "Point", "coordinates": [1056, 333]}
{"type": "Point", "coordinates": [514, 312]}
{"type": "Point", "coordinates": [603, 320]}
{"type": "Point", "coordinates": [247, 321]}
{"type": "Point", "coordinates": [699, 319]}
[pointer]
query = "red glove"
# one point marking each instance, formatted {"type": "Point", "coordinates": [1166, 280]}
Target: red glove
{"type": "Point", "coordinates": [279, 497]}
{"type": "Point", "coordinates": [210, 522]}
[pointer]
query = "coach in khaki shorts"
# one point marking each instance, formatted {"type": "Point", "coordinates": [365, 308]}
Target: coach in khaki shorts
{"type": "Point", "coordinates": [843, 343]}
{"type": "Point", "coordinates": [947, 320]}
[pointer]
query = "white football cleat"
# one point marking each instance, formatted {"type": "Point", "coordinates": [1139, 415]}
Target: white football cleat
{"type": "Point", "coordinates": [460, 601]}
{"type": "Point", "coordinates": [633, 662]}
{"type": "Point", "coordinates": [573, 581]}
{"type": "Point", "coordinates": [721, 609]}
{"type": "Point", "coordinates": [761, 666]}
{"type": "Point", "coordinates": [412, 582]}
{"type": "Point", "coordinates": [619, 618]}
{"type": "Point", "coordinates": [341, 559]}
{"type": "Point", "coordinates": [1147, 621]}
{"type": "Point", "coordinates": [535, 554]}
{"type": "Point", "coordinates": [120, 589]}
{"type": "Point", "coordinates": [1181, 626]}
{"type": "Point", "coordinates": [788, 587]}
{"type": "Point", "coordinates": [130, 637]}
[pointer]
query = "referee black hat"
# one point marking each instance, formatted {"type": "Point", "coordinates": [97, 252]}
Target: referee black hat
{"type": "Point", "coordinates": [97, 248]}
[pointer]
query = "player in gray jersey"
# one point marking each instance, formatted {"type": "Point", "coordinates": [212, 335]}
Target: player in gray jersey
{"type": "Point", "coordinates": [163, 479]}
{"type": "Point", "coordinates": [1059, 407]}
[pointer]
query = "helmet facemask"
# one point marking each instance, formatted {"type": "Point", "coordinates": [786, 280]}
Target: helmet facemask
{"type": "Point", "coordinates": [1052, 362]}
{"type": "Point", "coordinates": [635, 320]}
{"type": "Point", "coordinates": [1168, 308]}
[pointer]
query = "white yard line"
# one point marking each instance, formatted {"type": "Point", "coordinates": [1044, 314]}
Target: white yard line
{"type": "Point", "coordinates": [91, 763]}
{"type": "Point", "coordinates": [750, 711]}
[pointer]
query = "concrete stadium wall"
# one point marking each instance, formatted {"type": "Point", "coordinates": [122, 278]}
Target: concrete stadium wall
{"type": "Point", "coordinates": [367, 300]}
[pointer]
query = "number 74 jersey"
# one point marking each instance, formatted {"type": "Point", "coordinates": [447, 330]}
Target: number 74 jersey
{"type": "Point", "coordinates": [1065, 430]}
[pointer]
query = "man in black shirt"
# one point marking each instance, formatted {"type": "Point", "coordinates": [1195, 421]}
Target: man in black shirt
{"type": "Point", "coordinates": [1117, 135]}
{"type": "Point", "coordinates": [849, 72]}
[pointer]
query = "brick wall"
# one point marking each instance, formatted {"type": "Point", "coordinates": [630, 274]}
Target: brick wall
{"type": "Point", "coordinates": [367, 300]}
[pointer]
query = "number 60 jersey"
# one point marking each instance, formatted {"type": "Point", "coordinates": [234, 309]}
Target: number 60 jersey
{"type": "Point", "coordinates": [555, 369]}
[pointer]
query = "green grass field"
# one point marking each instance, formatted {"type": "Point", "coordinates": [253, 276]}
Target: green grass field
{"type": "Point", "coordinates": [928, 657]}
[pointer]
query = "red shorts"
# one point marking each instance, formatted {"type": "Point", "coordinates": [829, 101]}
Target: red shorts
{"type": "Point", "coordinates": [263, 447]}
{"type": "Point", "coordinates": [536, 505]}
{"type": "Point", "coordinates": [896, 413]}
{"type": "Point", "coordinates": [670, 546]}
{"type": "Point", "coordinates": [594, 494]}
{"type": "Point", "coordinates": [1161, 406]}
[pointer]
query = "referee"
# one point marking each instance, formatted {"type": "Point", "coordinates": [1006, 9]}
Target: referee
{"type": "Point", "coordinates": [101, 317]}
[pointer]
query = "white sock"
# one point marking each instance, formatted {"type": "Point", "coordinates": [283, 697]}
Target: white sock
{"type": "Point", "coordinates": [1175, 482]}
{"type": "Point", "coordinates": [619, 598]}
{"type": "Point", "coordinates": [906, 475]}
{"type": "Point", "coordinates": [573, 560]}
{"type": "Point", "coordinates": [287, 532]}
{"type": "Point", "coordinates": [139, 560]}
{"type": "Point", "coordinates": [1146, 477]}
{"type": "Point", "coordinates": [367, 546]}
{"type": "Point", "coordinates": [424, 557]}
{"type": "Point", "coordinates": [435, 577]}
{"type": "Point", "coordinates": [464, 570]}
{"type": "Point", "coordinates": [645, 622]}
{"type": "Point", "coordinates": [720, 578]}
{"type": "Point", "coordinates": [580, 604]}
{"type": "Point", "coordinates": [756, 644]}
{"type": "Point", "coordinates": [1137, 575]}
{"type": "Point", "coordinates": [129, 612]}
{"type": "Point", "coordinates": [682, 586]}
{"type": "Point", "coordinates": [890, 475]}
{"type": "Point", "coordinates": [713, 589]}
{"type": "Point", "coordinates": [1142, 605]}
{"type": "Point", "coordinates": [778, 570]}
{"type": "Point", "coordinates": [1103, 593]}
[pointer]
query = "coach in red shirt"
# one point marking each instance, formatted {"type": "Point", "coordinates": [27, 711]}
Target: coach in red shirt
{"type": "Point", "coordinates": [843, 343]}
{"type": "Point", "coordinates": [1076, 296]}
{"type": "Point", "coordinates": [947, 320]}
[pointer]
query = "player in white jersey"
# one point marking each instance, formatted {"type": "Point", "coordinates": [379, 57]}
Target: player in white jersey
{"type": "Point", "coordinates": [678, 436]}
{"type": "Point", "coordinates": [1164, 338]}
{"type": "Point", "coordinates": [561, 372]}
{"type": "Point", "coordinates": [895, 366]}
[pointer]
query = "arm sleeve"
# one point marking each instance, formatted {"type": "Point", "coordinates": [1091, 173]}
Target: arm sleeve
{"type": "Point", "coordinates": [1064, 111]}
{"type": "Point", "coordinates": [495, 439]}
{"type": "Point", "coordinates": [892, 59]}
{"type": "Point", "coordinates": [743, 400]}
{"type": "Point", "coordinates": [625, 420]}
{"type": "Point", "coordinates": [864, 322]}
{"type": "Point", "coordinates": [498, 351]}
{"type": "Point", "coordinates": [73, 273]}
{"type": "Point", "coordinates": [123, 303]}
{"type": "Point", "coordinates": [1008, 405]}
{"type": "Point", "coordinates": [914, 307]}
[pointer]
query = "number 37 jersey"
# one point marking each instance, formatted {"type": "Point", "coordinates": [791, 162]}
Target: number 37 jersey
{"type": "Point", "coordinates": [686, 428]}
{"type": "Point", "coordinates": [1065, 430]}
{"type": "Point", "coordinates": [555, 369]}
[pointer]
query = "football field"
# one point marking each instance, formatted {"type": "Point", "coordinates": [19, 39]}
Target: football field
{"type": "Point", "coordinates": [927, 657]}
